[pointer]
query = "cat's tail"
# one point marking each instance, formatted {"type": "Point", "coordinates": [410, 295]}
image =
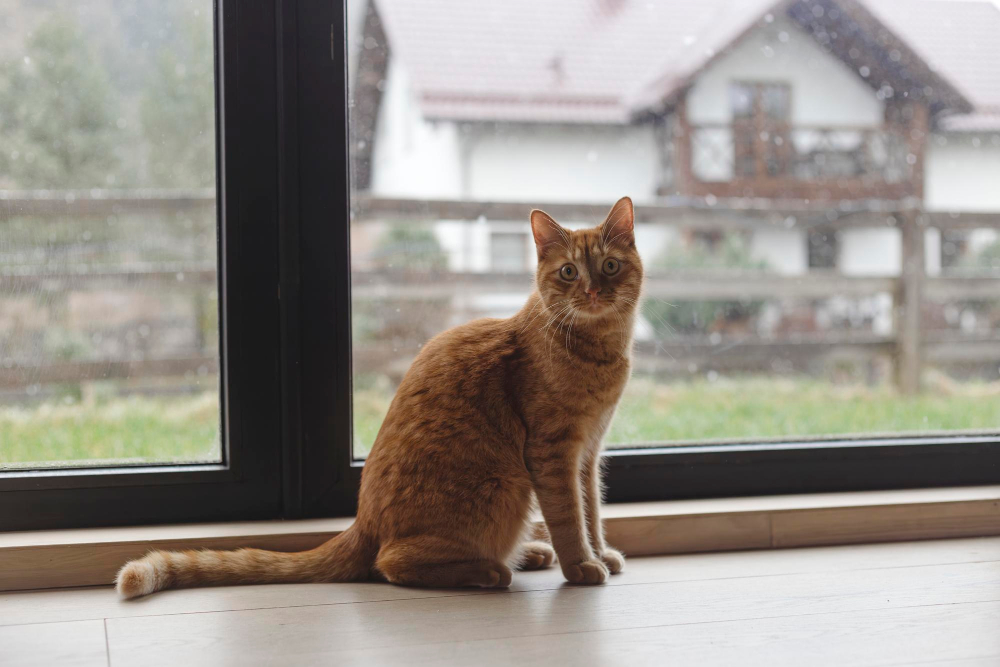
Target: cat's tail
{"type": "Point", "coordinates": [346, 557]}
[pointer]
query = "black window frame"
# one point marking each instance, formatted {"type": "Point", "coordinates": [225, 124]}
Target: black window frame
{"type": "Point", "coordinates": [284, 211]}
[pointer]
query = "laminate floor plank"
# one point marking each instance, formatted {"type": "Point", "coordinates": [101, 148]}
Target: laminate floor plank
{"type": "Point", "coordinates": [304, 634]}
{"type": "Point", "coordinates": [914, 636]}
{"type": "Point", "coordinates": [97, 603]}
{"type": "Point", "coordinates": [76, 644]}
{"type": "Point", "coordinates": [933, 604]}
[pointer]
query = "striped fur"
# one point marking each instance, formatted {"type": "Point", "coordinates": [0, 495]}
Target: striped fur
{"type": "Point", "coordinates": [343, 558]}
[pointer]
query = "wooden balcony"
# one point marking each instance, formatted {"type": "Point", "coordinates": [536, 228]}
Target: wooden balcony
{"type": "Point", "coordinates": [781, 161]}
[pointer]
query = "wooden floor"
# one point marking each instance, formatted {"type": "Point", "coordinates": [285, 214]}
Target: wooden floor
{"type": "Point", "coordinates": [921, 603]}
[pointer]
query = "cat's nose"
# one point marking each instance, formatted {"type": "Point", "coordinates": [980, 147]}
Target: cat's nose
{"type": "Point", "coordinates": [593, 290]}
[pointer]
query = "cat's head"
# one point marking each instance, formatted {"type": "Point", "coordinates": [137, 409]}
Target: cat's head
{"type": "Point", "coordinates": [594, 272]}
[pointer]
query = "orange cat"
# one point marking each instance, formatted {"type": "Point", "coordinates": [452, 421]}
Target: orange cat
{"type": "Point", "coordinates": [492, 414]}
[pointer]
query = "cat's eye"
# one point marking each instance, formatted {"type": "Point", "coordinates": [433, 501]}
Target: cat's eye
{"type": "Point", "coordinates": [568, 272]}
{"type": "Point", "coordinates": [611, 266]}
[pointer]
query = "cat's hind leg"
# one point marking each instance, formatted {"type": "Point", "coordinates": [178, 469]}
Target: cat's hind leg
{"type": "Point", "coordinates": [536, 556]}
{"type": "Point", "coordinates": [435, 562]}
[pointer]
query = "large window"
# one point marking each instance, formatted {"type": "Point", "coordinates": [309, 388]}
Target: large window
{"type": "Point", "coordinates": [226, 230]}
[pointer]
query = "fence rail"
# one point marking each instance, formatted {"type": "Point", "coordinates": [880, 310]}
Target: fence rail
{"type": "Point", "coordinates": [910, 346]}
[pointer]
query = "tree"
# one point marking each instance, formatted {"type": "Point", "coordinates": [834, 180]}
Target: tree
{"type": "Point", "coordinates": [699, 317]}
{"type": "Point", "coordinates": [177, 109]}
{"type": "Point", "coordinates": [57, 121]}
{"type": "Point", "coordinates": [407, 247]}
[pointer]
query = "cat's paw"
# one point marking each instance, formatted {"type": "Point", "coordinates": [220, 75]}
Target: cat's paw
{"type": "Point", "coordinates": [536, 556]}
{"type": "Point", "coordinates": [614, 560]}
{"type": "Point", "coordinates": [588, 572]}
{"type": "Point", "coordinates": [499, 577]}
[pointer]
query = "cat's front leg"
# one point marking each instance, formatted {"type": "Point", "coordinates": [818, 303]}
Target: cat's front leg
{"type": "Point", "coordinates": [593, 491]}
{"type": "Point", "coordinates": [555, 473]}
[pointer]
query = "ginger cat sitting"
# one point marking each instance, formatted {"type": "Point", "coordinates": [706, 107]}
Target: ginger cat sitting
{"type": "Point", "coordinates": [491, 415]}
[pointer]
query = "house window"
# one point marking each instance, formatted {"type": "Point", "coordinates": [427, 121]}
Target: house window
{"type": "Point", "coordinates": [822, 249]}
{"type": "Point", "coordinates": [761, 127]}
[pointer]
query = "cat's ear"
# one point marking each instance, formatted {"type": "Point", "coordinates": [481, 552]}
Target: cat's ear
{"type": "Point", "coordinates": [547, 232]}
{"type": "Point", "coordinates": [619, 226]}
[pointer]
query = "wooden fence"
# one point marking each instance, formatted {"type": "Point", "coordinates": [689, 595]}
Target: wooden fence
{"type": "Point", "coordinates": [910, 347]}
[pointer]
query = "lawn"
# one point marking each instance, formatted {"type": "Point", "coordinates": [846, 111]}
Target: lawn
{"type": "Point", "coordinates": [137, 430]}
{"type": "Point", "coordinates": [129, 430]}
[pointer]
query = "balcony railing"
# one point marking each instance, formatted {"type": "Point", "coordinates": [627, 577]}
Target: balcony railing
{"type": "Point", "coordinates": [800, 162]}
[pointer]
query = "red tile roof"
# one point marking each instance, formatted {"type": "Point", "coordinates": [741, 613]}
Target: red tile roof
{"type": "Point", "coordinates": [599, 61]}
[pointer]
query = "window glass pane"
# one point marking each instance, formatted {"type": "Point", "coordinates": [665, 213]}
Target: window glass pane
{"type": "Point", "coordinates": [108, 298]}
{"type": "Point", "coordinates": [790, 265]}
{"type": "Point", "coordinates": [741, 99]}
{"type": "Point", "coordinates": [775, 101]}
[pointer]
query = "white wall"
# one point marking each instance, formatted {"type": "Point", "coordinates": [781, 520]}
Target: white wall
{"type": "Point", "coordinates": [784, 250]}
{"type": "Point", "coordinates": [583, 163]}
{"type": "Point", "coordinates": [412, 157]}
{"type": "Point", "coordinates": [824, 90]}
{"type": "Point", "coordinates": [870, 252]}
{"type": "Point", "coordinates": [962, 172]}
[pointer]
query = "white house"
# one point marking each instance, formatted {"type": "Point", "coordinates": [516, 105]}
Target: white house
{"type": "Point", "coordinates": [833, 101]}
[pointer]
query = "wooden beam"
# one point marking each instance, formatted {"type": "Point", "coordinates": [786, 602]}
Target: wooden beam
{"type": "Point", "coordinates": [738, 211]}
{"type": "Point", "coordinates": [86, 277]}
{"type": "Point", "coordinates": [24, 374]}
{"type": "Point", "coordinates": [692, 286]}
{"type": "Point", "coordinates": [680, 212]}
{"type": "Point", "coordinates": [916, 117]}
{"type": "Point", "coordinates": [683, 155]}
{"type": "Point", "coordinates": [77, 203]}
{"type": "Point", "coordinates": [909, 362]}
{"type": "Point", "coordinates": [958, 288]}
{"type": "Point", "coordinates": [814, 191]}
{"type": "Point", "coordinates": [961, 220]}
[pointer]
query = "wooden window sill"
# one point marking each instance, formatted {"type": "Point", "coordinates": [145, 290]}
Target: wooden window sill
{"type": "Point", "coordinates": [89, 557]}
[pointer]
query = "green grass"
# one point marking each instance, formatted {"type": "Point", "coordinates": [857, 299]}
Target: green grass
{"type": "Point", "coordinates": [114, 431]}
{"type": "Point", "coordinates": [767, 408]}
{"type": "Point", "coordinates": [137, 430]}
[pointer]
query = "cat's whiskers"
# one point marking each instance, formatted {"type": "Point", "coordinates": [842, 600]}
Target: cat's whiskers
{"type": "Point", "coordinates": [539, 313]}
{"type": "Point", "coordinates": [621, 327]}
{"type": "Point", "coordinates": [569, 331]}
{"type": "Point", "coordinates": [548, 324]}
{"type": "Point", "coordinates": [561, 316]}
{"type": "Point", "coordinates": [556, 316]}
{"type": "Point", "coordinates": [659, 318]}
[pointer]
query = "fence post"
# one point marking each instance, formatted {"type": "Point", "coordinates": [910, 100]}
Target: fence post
{"type": "Point", "coordinates": [909, 296]}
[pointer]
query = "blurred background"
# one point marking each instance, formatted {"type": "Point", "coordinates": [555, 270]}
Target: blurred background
{"type": "Point", "coordinates": [816, 186]}
{"type": "Point", "coordinates": [108, 300]}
